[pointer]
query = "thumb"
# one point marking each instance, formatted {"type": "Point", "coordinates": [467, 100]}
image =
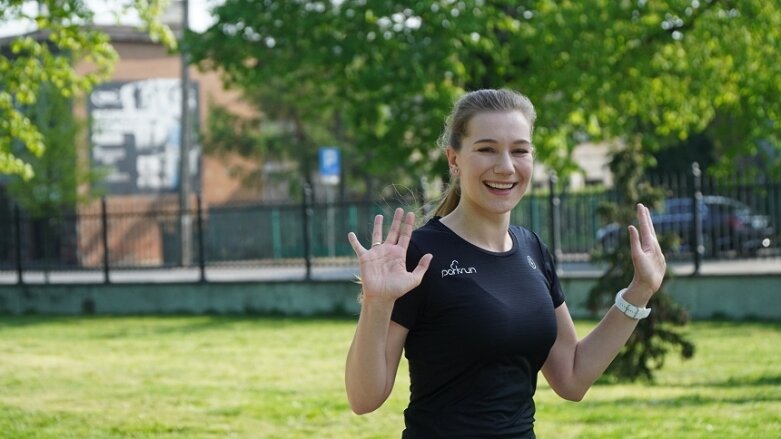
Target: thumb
{"type": "Point", "coordinates": [420, 270]}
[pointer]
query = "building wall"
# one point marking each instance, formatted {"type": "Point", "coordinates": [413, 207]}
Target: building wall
{"type": "Point", "coordinates": [142, 237]}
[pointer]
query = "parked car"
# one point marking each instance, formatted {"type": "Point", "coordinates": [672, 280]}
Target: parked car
{"type": "Point", "coordinates": [727, 225]}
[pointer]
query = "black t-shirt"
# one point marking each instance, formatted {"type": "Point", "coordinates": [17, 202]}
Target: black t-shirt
{"type": "Point", "coordinates": [481, 325]}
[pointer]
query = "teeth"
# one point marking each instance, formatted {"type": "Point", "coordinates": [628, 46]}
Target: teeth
{"type": "Point", "coordinates": [501, 185]}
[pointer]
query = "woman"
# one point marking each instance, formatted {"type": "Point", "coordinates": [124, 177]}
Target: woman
{"type": "Point", "coordinates": [475, 302]}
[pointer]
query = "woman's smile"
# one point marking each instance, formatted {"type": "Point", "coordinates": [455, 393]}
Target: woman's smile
{"type": "Point", "coordinates": [500, 188]}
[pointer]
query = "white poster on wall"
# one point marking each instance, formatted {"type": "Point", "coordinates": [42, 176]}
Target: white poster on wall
{"type": "Point", "coordinates": [135, 131]}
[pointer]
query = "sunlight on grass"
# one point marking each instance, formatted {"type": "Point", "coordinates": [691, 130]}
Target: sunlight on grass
{"type": "Point", "coordinates": [213, 377]}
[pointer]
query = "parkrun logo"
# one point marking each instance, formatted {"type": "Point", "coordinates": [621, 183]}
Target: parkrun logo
{"type": "Point", "coordinates": [455, 270]}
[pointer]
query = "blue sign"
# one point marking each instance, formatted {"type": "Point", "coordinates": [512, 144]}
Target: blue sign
{"type": "Point", "coordinates": [330, 164]}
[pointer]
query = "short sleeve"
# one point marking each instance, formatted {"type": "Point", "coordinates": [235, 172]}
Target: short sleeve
{"type": "Point", "coordinates": [407, 307]}
{"type": "Point", "coordinates": [557, 294]}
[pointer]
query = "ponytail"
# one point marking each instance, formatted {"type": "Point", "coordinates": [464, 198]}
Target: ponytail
{"type": "Point", "coordinates": [450, 200]}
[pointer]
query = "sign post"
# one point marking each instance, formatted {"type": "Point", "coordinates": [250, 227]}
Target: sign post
{"type": "Point", "coordinates": [330, 165]}
{"type": "Point", "coordinates": [330, 175]}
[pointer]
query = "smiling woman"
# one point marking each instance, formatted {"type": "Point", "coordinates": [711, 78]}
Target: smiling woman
{"type": "Point", "coordinates": [490, 314]}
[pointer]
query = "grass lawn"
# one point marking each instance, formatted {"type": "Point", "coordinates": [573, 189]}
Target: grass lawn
{"type": "Point", "coordinates": [242, 377]}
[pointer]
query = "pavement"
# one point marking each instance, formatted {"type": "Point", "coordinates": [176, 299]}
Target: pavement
{"type": "Point", "coordinates": [346, 269]}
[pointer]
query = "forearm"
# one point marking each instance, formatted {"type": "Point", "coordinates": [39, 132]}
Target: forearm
{"type": "Point", "coordinates": [588, 358]}
{"type": "Point", "coordinates": [366, 372]}
{"type": "Point", "coordinates": [595, 352]}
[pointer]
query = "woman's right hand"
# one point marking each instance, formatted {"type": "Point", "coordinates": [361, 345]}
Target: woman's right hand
{"type": "Point", "coordinates": [383, 266]}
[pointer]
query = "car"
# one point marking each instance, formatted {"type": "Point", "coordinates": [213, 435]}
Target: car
{"type": "Point", "coordinates": [727, 225]}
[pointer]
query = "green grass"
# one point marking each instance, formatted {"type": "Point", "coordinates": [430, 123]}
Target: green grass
{"type": "Point", "coordinates": [216, 377]}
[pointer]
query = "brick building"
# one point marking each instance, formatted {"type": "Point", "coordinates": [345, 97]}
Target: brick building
{"type": "Point", "coordinates": [148, 212]}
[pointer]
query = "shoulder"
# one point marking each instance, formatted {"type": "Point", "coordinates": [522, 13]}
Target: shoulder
{"type": "Point", "coordinates": [526, 237]}
{"type": "Point", "coordinates": [531, 242]}
{"type": "Point", "coordinates": [430, 233]}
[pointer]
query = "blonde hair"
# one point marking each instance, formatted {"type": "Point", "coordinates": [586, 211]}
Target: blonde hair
{"type": "Point", "coordinates": [465, 108]}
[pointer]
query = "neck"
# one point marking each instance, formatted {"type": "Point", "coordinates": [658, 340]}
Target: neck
{"type": "Point", "coordinates": [487, 231]}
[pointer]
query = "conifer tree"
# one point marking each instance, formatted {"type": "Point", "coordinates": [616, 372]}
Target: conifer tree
{"type": "Point", "coordinates": [658, 334]}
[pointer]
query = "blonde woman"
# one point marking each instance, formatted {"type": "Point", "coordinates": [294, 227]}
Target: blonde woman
{"type": "Point", "coordinates": [473, 301]}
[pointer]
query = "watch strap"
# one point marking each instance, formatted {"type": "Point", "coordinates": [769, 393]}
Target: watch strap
{"type": "Point", "coordinates": [631, 311]}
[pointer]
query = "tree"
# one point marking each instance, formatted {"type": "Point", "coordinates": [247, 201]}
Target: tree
{"type": "Point", "coordinates": [55, 184]}
{"type": "Point", "coordinates": [27, 65]}
{"type": "Point", "coordinates": [597, 69]}
{"type": "Point", "coordinates": [655, 335]}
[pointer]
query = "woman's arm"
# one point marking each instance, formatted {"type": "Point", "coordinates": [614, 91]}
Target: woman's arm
{"type": "Point", "coordinates": [373, 359]}
{"type": "Point", "coordinates": [573, 366]}
{"type": "Point", "coordinates": [375, 352]}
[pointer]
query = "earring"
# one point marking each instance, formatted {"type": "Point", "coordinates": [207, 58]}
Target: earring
{"type": "Point", "coordinates": [454, 170]}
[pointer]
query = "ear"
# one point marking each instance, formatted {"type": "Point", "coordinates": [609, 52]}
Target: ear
{"type": "Point", "coordinates": [452, 157]}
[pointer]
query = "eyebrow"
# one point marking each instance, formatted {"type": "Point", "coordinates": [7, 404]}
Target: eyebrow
{"type": "Point", "coordinates": [517, 142]}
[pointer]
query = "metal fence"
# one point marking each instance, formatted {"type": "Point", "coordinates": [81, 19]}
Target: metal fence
{"type": "Point", "coordinates": [734, 219]}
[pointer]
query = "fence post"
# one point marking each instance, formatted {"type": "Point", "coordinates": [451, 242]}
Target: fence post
{"type": "Point", "coordinates": [555, 217]}
{"type": "Point", "coordinates": [45, 239]}
{"type": "Point", "coordinates": [201, 254]}
{"type": "Point", "coordinates": [18, 244]}
{"type": "Point", "coordinates": [104, 225]}
{"type": "Point", "coordinates": [307, 214]}
{"type": "Point", "coordinates": [699, 248]}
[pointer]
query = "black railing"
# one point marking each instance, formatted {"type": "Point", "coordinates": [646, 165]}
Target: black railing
{"type": "Point", "coordinates": [734, 219]}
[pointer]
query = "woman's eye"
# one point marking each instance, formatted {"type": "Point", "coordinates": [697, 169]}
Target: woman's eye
{"type": "Point", "coordinates": [520, 152]}
{"type": "Point", "coordinates": [485, 149]}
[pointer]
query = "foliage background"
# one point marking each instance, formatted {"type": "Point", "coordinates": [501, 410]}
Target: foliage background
{"type": "Point", "coordinates": [381, 74]}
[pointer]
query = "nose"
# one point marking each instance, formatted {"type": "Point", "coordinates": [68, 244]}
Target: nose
{"type": "Point", "coordinates": [504, 164]}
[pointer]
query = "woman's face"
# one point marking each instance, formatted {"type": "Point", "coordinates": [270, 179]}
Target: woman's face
{"type": "Point", "coordinates": [495, 162]}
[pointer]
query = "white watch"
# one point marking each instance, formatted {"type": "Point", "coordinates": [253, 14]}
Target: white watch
{"type": "Point", "coordinates": [631, 311]}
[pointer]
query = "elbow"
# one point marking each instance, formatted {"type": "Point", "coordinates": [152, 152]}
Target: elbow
{"type": "Point", "coordinates": [574, 396]}
{"type": "Point", "coordinates": [362, 408]}
{"type": "Point", "coordinates": [362, 403]}
{"type": "Point", "coordinates": [364, 399]}
{"type": "Point", "coordinates": [572, 393]}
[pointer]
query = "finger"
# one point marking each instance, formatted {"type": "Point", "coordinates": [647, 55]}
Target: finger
{"type": "Point", "coordinates": [650, 221]}
{"type": "Point", "coordinates": [655, 246]}
{"type": "Point", "coordinates": [356, 245]}
{"type": "Point", "coordinates": [634, 242]}
{"type": "Point", "coordinates": [377, 230]}
{"type": "Point", "coordinates": [406, 230]}
{"type": "Point", "coordinates": [393, 233]}
{"type": "Point", "coordinates": [644, 222]}
{"type": "Point", "coordinates": [420, 270]}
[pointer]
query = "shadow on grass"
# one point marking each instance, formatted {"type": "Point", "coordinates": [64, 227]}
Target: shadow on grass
{"type": "Point", "coordinates": [204, 321]}
{"type": "Point", "coordinates": [16, 321]}
{"type": "Point", "coordinates": [744, 381]}
{"type": "Point", "coordinates": [731, 382]}
{"type": "Point", "coordinates": [682, 401]}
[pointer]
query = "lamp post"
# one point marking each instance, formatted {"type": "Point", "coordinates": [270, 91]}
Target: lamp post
{"type": "Point", "coordinates": [185, 235]}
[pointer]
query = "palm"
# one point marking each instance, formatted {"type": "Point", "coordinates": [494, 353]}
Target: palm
{"type": "Point", "coordinates": [383, 266]}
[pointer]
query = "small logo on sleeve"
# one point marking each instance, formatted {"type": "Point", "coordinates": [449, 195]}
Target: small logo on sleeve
{"type": "Point", "coordinates": [456, 270]}
{"type": "Point", "coordinates": [531, 262]}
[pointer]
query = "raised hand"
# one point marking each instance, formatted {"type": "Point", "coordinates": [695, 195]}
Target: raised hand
{"type": "Point", "coordinates": [384, 274]}
{"type": "Point", "coordinates": [647, 257]}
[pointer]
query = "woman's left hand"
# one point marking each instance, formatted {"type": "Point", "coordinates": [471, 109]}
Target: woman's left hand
{"type": "Point", "coordinates": [647, 258]}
